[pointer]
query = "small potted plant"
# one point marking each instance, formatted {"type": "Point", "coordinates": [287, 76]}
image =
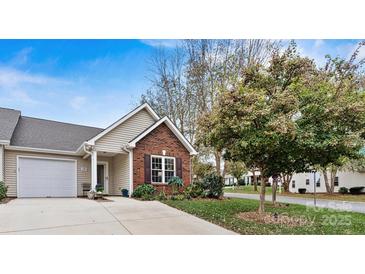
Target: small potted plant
{"type": "Point", "coordinates": [125, 192]}
{"type": "Point", "coordinates": [91, 195]}
{"type": "Point", "coordinates": [99, 191]}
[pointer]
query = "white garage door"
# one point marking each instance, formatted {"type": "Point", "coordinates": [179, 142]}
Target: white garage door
{"type": "Point", "coordinates": [46, 178]}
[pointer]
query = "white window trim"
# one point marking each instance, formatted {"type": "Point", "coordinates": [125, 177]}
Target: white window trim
{"type": "Point", "coordinates": [163, 168]}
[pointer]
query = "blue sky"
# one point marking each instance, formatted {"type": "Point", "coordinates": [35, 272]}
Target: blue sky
{"type": "Point", "coordinates": [95, 82]}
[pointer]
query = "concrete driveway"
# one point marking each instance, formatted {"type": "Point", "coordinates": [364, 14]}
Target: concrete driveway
{"type": "Point", "coordinates": [81, 216]}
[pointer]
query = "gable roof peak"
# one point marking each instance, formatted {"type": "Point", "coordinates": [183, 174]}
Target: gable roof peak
{"type": "Point", "coordinates": [144, 106]}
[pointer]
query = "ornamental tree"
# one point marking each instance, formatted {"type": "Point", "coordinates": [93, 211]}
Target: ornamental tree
{"type": "Point", "coordinates": [256, 122]}
{"type": "Point", "coordinates": [332, 116]}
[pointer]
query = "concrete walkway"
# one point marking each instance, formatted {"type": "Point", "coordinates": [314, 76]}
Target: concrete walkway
{"type": "Point", "coordinates": [332, 204]}
{"type": "Point", "coordinates": [121, 216]}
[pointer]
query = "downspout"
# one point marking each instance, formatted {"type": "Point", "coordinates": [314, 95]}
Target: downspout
{"type": "Point", "coordinates": [86, 151]}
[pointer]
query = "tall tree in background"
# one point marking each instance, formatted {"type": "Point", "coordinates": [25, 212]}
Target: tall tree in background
{"type": "Point", "coordinates": [169, 94]}
{"type": "Point", "coordinates": [236, 169]}
{"type": "Point", "coordinates": [185, 82]}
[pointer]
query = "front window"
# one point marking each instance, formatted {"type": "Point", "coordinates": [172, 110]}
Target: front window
{"type": "Point", "coordinates": [163, 169]}
{"type": "Point", "coordinates": [156, 169]}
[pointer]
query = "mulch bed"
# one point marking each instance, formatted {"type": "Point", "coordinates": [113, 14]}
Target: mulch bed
{"type": "Point", "coordinates": [100, 200]}
{"type": "Point", "coordinates": [6, 200]}
{"type": "Point", "coordinates": [274, 218]}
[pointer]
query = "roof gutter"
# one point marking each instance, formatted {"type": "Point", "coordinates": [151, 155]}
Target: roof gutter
{"type": "Point", "coordinates": [41, 150]}
{"type": "Point", "coordinates": [4, 142]}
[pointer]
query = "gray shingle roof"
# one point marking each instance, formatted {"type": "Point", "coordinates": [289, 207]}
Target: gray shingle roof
{"type": "Point", "coordinates": [8, 121]}
{"type": "Point", "coordinates": [39, 133]}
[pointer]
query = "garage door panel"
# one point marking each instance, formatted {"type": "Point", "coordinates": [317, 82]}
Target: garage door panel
{"type": "Point", "coordinates": [46, 178]}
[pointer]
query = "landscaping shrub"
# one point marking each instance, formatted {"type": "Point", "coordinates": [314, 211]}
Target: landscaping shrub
{"type": "Point", "coordinates": [212, 186]}
{"type": "Point", "coordinates": [175, 183]}
{"type": "Point", "coordinates": [302, 190]}
{"type": "Point", "coordinates": [193, 190]}
{"type": "Point", "coordinates": [343, 190]}
{"type": "Point", "coordinates": [179, 197]}
{"type": "Point", "coordinates": [145, 192]}
{"type": "Point", "coordinates": [356, 190]}
{"type": "Point", "coordinates": [161, 196]}
{"type": "Point", "coordinates": [3, 190]}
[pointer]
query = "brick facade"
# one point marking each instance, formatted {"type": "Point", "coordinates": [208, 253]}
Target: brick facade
{"type": "Point", "coordinates": [161, 138]}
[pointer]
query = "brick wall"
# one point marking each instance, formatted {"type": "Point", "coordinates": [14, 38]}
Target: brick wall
{"type": "Point", "coordinates": [161, 138]}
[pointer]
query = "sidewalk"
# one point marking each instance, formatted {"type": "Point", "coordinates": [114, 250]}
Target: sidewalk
{"type": "Point", "coordinates": [332, 204]}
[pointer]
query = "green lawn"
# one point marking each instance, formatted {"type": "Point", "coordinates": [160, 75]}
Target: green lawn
{"type": "Point", "coordinates": [249, 190]}
{"type": "Point", "coordinates": [224, 213]}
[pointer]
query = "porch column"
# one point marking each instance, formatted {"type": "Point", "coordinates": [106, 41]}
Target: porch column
{"type": "Point", "coordinates": [130, 159]}
{"type": "Point", "coordinates": [94, 167]}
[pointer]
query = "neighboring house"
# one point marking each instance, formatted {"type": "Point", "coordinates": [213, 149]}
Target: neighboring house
{"type": "Point", "coordinates": [43, 158]}
{"type": "Point", "coordinates": [346, 179]}
{"type": "Point", "coordinates": [248, 178]}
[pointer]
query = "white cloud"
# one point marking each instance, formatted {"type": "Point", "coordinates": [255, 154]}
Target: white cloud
{"type": "Point", "coordinates": [167, 43]}
{"type": "Point", "coordinates": [10, 77]}
{"type": "Point", "coordinates": [23, 97]}
{"type": "Point", "coordinates": [318, 43]}
{"type": "Point", "coordinates": [18, 97]}
{"type": "Point", "coordinates": [78, 102]}
{"type": "Point", "coordinates": [22, 57]}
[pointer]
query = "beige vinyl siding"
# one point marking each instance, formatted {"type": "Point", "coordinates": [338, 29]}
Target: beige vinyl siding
{"type": "Point", "coordinates": [1, 163]}
{"type": "Point", "coordinates": [121, 173]}
{"type": "Point", "coordinates": [122, 134]}
{"type": "Point", "coordinates": [11, 169]}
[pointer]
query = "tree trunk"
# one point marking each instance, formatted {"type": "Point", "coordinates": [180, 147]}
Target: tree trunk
{"type": "Point", "coordinates": [217, 156]}
{"type": "Point", "coordinates": [326, 182]}
{"type": "Point", "coordinates": [254, 180]}
{"type": "Point", "coordinates": [224, 169]}
{"type": "Point", "coordinates": [274, 188]}
{"type": "Point", "coordinates": [262, 195]}
{"type": "Point", "coordinates": [333, 171]}
{"type": "Point", "coordinates": [286, 181]}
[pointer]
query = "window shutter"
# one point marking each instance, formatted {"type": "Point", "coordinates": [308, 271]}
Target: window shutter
{"type": "Point", "coordinates": [179, 167]}
{"type": "Point", "coordinates": [147, 169]}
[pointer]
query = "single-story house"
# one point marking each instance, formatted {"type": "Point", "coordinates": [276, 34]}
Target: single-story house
{"type": "Point", "coordinates": [43, 158]}
{"type": "Point", "coordinates": [310, 181]}
{"type": "Point", "coordinates": [315, 181]}
{"type": "Point", "coordinates": [248, 178]}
